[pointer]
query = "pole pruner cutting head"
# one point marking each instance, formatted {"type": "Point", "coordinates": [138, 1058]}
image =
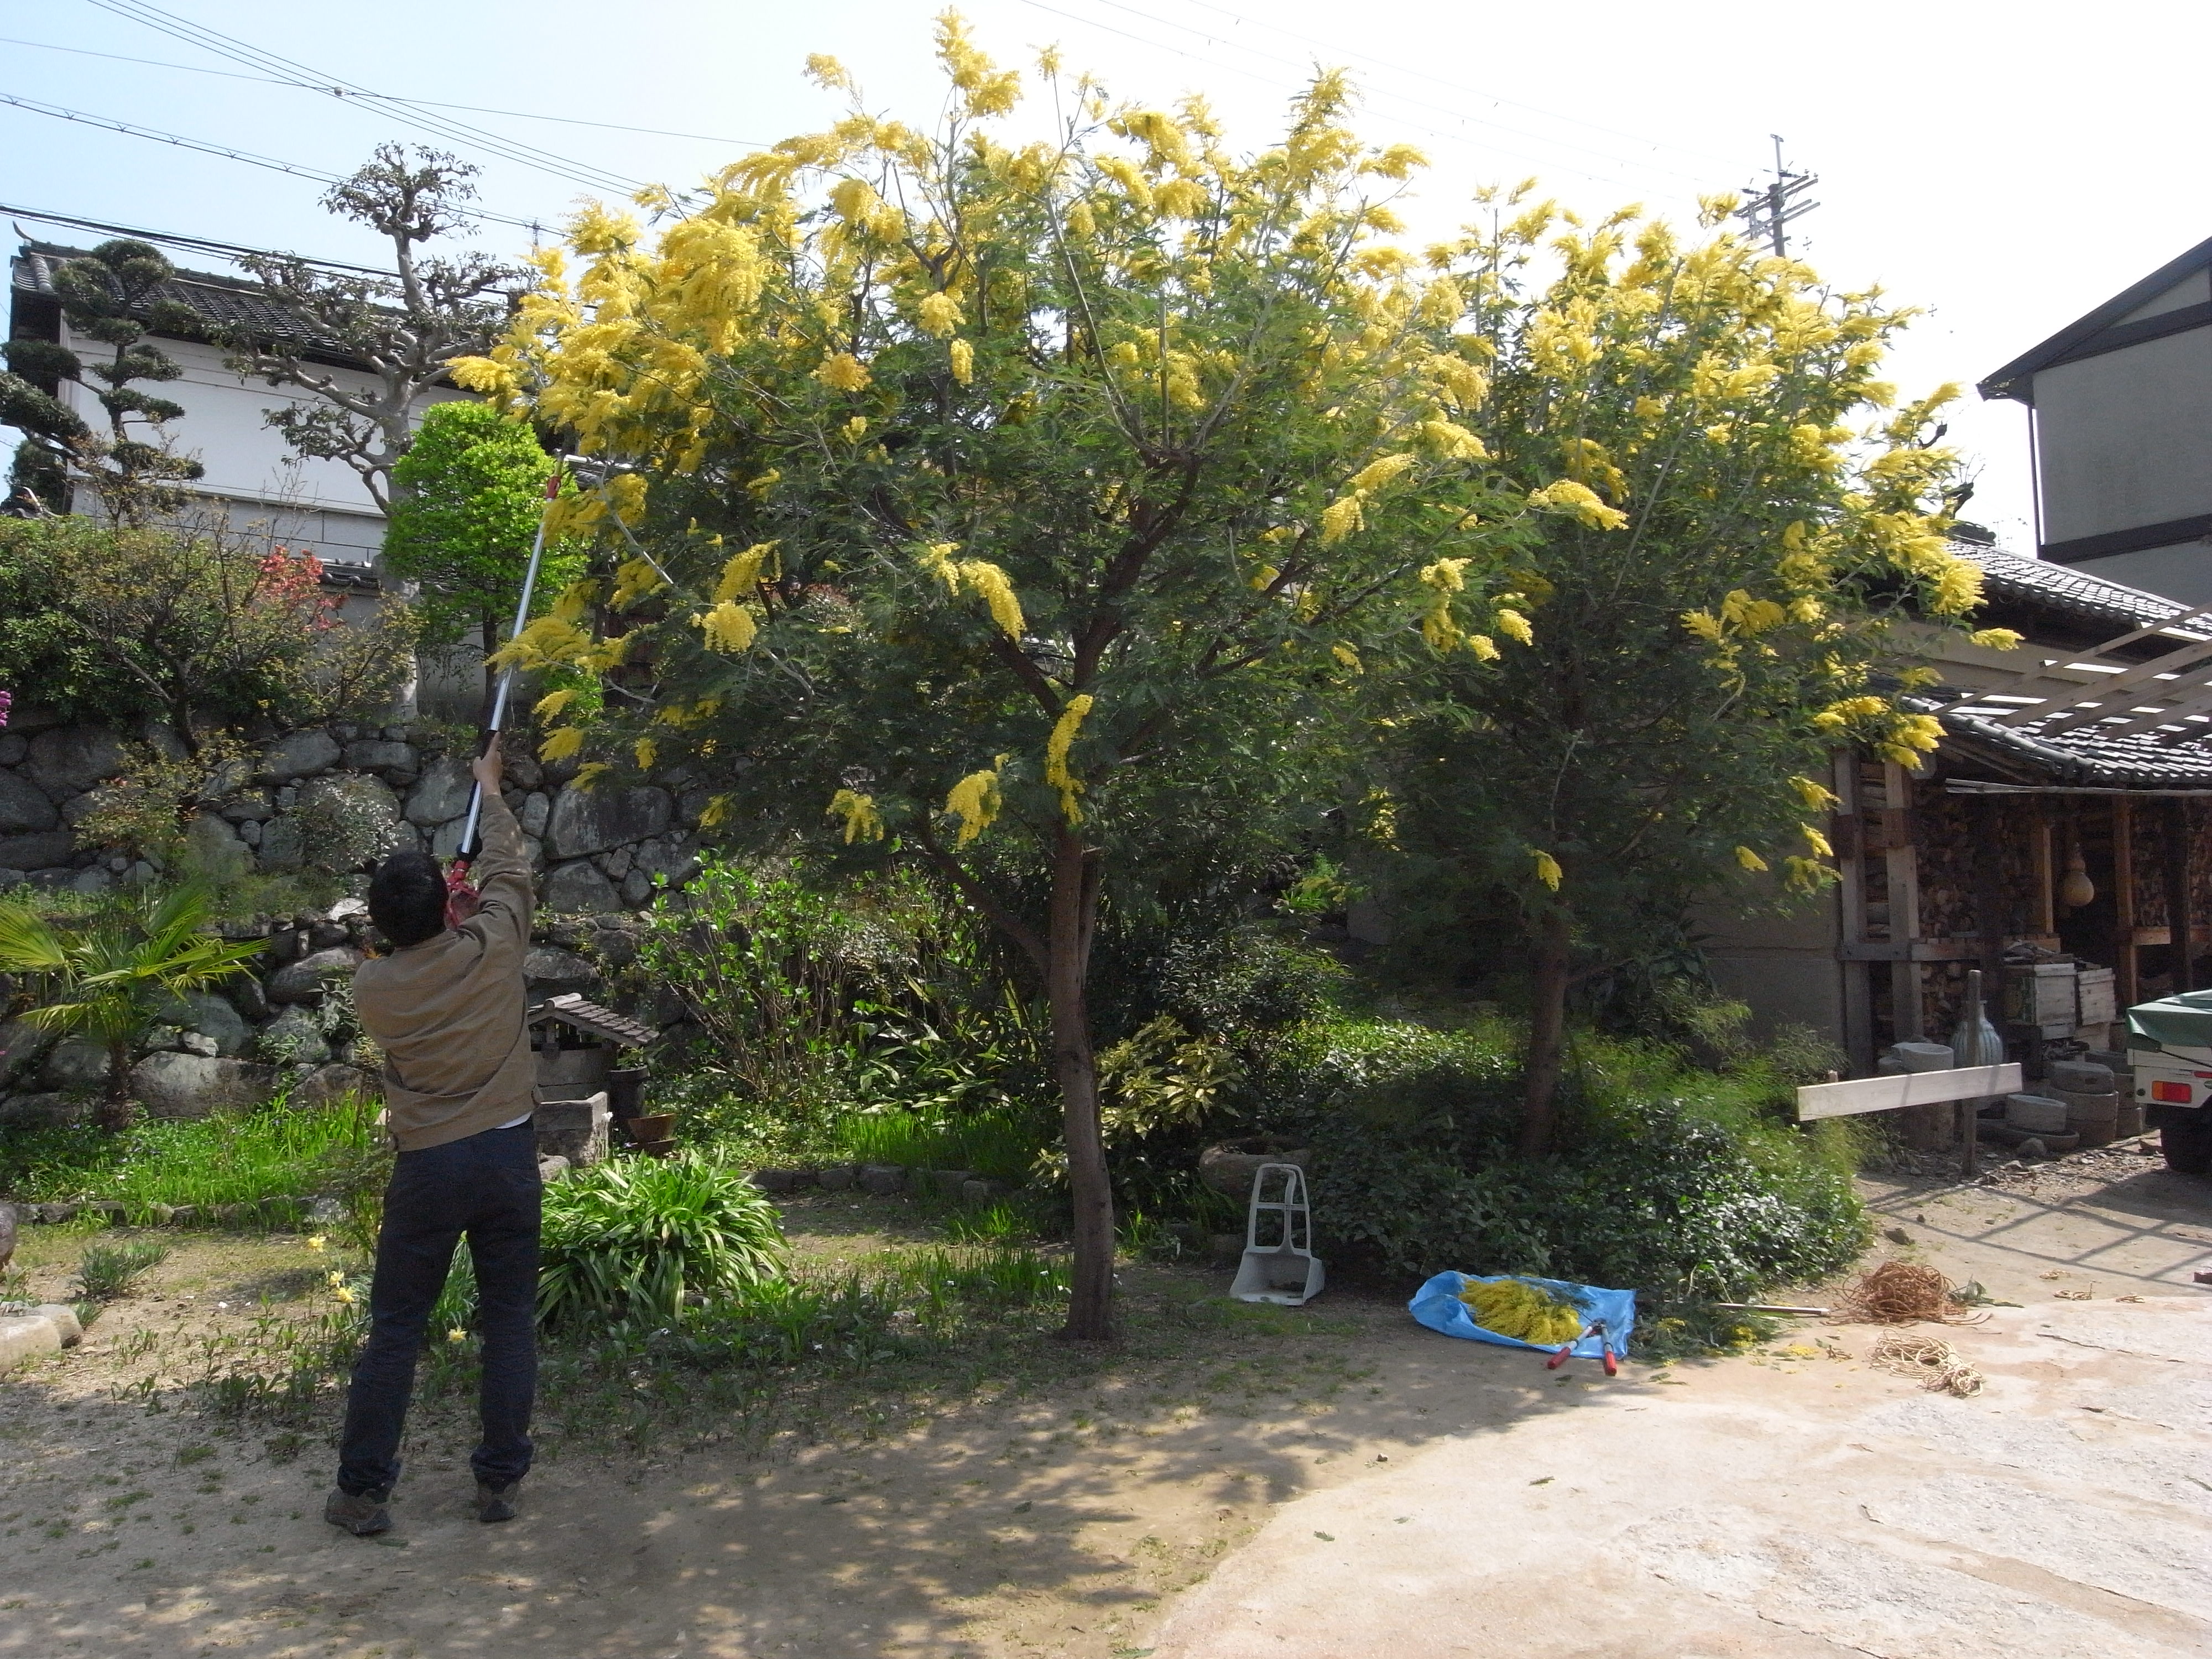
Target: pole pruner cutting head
{"type": "Point", "coordinates": [462, 899]}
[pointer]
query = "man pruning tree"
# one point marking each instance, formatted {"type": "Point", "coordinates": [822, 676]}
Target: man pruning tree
{"type": "Point", "coordinates": [445, 1006]}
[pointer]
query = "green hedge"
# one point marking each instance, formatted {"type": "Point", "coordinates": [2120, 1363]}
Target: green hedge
{"type": "Point", "coordinates": [1670, 1179]}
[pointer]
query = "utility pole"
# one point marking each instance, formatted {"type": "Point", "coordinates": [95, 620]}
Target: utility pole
{"type": "Point", "coordinates": [1769, 208]}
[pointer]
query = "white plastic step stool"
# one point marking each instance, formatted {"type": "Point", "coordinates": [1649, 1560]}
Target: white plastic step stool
{"type": "Point", "coordinates": [1286, 1272]}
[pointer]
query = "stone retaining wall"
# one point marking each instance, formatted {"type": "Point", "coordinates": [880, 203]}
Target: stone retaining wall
{"type": "Point", "coordinates": [599, 857]}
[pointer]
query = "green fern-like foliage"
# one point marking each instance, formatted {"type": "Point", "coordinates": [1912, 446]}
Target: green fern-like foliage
{"type": "Point", "coordinates": [642, 1240]}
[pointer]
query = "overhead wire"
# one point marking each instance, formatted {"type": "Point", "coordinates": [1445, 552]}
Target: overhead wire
{"type": "Point", "coordinates": [231, 251]}
{"type": "Point", "coordinates": [1473, 141]}
{"type": "Point", "coordinates": [1275, 82]}
{"type": "Point", "coordinates": [1456, 85]}
{"type": "Point", "coordinates": [130, 129]}
{"type": "Point", "coordinates": [1417, 103]}
{"type": "Point", "coordinates": [427, 103]}
{"type": "Point", "coordinates": [301, 74]}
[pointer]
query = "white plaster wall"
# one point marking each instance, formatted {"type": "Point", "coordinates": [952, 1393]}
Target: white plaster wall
{"type": "Point", "coordinates": [2125, 439]}
{"type": "Point", "coordinates": [2183, 572]}
{"type": "Point", "coordinates": [2194, 289]}
{"type": "Point", "coordinates": [319, 504]}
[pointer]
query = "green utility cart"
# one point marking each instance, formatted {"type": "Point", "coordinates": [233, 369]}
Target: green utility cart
{"type": "Point", "coordinates": [2170, 1047]}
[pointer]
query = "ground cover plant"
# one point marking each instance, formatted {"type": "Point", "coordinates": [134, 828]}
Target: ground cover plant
{"type": "Point", "coordinates": [277, 1151]}
{"type": "Point", "coordinates": [1679, 1181]}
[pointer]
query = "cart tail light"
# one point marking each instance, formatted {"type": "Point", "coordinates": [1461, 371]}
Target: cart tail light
{"type": "Point", "coordinates": [2174, 1091]}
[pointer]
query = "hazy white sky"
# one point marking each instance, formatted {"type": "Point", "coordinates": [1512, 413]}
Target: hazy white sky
{"type": "Point", "coordinates": [2007, 167]}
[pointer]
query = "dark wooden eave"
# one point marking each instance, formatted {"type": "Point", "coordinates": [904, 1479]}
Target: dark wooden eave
{"type": "Point", "coordinates": [2101, 331]}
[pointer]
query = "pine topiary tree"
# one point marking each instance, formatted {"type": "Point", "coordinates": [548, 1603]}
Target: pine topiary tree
{"type": "Point", "coordinates": [112, 295]}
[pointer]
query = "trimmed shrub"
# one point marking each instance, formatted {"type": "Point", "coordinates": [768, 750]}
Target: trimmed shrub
{"type": "Point", "coordinates": [1670, 1180]}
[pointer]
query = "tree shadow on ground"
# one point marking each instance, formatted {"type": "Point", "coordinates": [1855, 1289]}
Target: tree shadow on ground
{"type": "Point", "coordinates": [1046, 1510]}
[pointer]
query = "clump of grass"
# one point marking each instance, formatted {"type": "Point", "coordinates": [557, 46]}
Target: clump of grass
{"type": "Point", "coordinates": [1001, 1144]}
{"type": "Point", "coordinates": [276, 1151]}
{"type": "Point", "coordinates": [106, 1271]}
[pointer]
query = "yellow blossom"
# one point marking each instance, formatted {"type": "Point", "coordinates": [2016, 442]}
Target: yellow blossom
{"type": "Point", "coordinates": [729, 627]}
{"type": "Point", "coordinates": [939, 315]}
{"type": "Point", "coordinates": [1514, 626]}
{"type": "Point", "coordinates": [317, 1242]}
{"type": "Point", "coordinates": [561, 743]}
{"type": "Point", "coordinates": [975, 800]}
{"type": "Point", "coordinates": [635, 579]}
{"type": "Point", "coordinates": [742, 573]}
{"type": "Point", "coordinates": [717, 811]}
{"type": "Point", "coordinates": [1816, 841]}
{"type": "Point", "coordinates": [646, 752]}
{"type": "Point", "coordinates": [862, 821]}
{"type": "Point", "coordinates": [554, 702]}
{"type": "Point", "coordinates": [1377, 473]}
{"type": "Point", "coordinates": [1750, 860]}
{"type": "Point", "coordinates": [588, 775]}
{"type": "Point", "coordinates": [1547, 870]}
{"type": "Point", "coordinates": [1814, 795]}
{"type": "Point", "coordinates": [457, 1335]}
{"type": "Point", "coordinates": [1055, 755]}
{"type": "Point", "coordinates": [1581, 501]}
{"type": "Point", "coordinates": [1485, 648]}
{"type": "Point", "coordinates": [963, 357]}
{"type": "Point", "coordinates": [1340, 519]}
{"type": "Point", "coordinates": [545, 643]}
{"type": "Point", "coordinates": [1346, 655]}
{"type": "Point", "coordinates": [843, 373]}
{"type": "Point", "coordinates": [1995, 638]}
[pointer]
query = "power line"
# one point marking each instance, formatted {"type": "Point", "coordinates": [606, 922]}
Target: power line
{"type": "Point", "coordinates": [428, 103]}
{"type": "Point", "coordinates": [1272, 81]}
{"type": "Point", "coordinates": [300, 74]}
{"type": "Point", "coordinates": [179, 141]}
{"type": "Point", "coordinates": [1473, 141]}
{"type": "Point", "coordinates": [1455, 85]}
{"type": "Point", "coordinates": [231, 251]}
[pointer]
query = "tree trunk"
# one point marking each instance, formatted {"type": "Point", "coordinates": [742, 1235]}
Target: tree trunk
{"type": "Point", "coordinates": [1074, 911]}
{"type": "Point", "coordinates": [1548, 1033]}
{"type": "Point", "coordinates": [115, 1111]}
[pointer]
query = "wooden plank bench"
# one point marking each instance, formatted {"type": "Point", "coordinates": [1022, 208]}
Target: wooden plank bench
{"type": "Point", "coordinates": [1888, 1094]}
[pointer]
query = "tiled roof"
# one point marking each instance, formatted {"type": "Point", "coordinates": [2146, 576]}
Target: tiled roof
{"type": "Point", "coordinates": [2134, 761]}
{"type": "Point", "coordinates": [2077, 754]}
{"type": "Point", "coordinates": [2007, 578]}
{"type": "Point", "coordinates": [224, 303]}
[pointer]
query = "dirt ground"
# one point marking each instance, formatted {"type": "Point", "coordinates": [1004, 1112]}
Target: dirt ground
{"type": "Point", "coordinates": [1070, 1512]}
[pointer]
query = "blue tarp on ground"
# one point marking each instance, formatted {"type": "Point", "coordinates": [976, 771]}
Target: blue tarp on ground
{"type": "Point", "coordinates": [1436, 1305]}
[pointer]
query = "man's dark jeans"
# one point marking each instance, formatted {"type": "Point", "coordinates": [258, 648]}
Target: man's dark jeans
{"type": "Point", "coordinates": [486, 1187]}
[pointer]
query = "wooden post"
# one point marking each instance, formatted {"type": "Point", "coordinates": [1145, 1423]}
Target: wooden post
{"type": "Point", "coordinates": [2124, 901]}
{"type": "Point", "coordinates": [2046, 906]}
{"type": "Point", "coordinates": [1988, 849]}
{"type": "Point", "coordinates": [1903, 860]}
{"type": "Point", "coordinates": [2178, 922]}
{"type": "Point", "coordinates": [1851, 904]}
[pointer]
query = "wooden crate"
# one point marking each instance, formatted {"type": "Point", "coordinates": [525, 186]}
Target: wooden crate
{"type": "Point", "coordinates": [2042, 995]}
{"type": "Point", "coordinates": [2098, 1000]}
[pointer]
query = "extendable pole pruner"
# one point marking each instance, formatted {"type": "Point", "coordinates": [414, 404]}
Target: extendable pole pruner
{"type": "Point", "coordinates": [466, 854]}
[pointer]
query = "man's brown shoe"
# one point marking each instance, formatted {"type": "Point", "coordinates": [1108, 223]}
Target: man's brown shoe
{"type": "Point", "coordinates": [362, 1514]}
{"type": "Point", "coordinates": [496, 1503]}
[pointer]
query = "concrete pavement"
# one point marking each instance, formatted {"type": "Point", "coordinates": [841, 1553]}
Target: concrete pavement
{"type": "Point", "coordinates": [1811, 1505]}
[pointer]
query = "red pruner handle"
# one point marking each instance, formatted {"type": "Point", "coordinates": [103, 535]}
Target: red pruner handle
{"type": "Point", "coordinates": [1559, 1358]}
{"type": "Point", "coordinates": [1611, 1365]}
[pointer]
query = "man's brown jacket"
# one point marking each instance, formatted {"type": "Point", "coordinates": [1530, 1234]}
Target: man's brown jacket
{"type": "Point", "coordinates": [447, 1012]}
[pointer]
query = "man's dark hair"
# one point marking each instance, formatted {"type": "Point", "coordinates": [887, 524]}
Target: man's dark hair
{"type": "Point", "coordinates": [407, 898]}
